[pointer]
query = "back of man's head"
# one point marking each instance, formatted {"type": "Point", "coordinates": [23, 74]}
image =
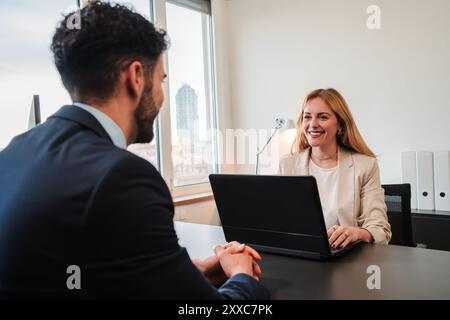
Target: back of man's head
{"type": "Point", "coordinates": [111, 36]}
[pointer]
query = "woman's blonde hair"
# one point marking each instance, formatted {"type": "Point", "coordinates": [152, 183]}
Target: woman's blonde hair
{"type": "Point", "coordinates": [349, 136]}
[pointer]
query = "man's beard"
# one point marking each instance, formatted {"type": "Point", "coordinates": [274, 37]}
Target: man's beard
{"type": "Point", "coordinates": [145, 115]}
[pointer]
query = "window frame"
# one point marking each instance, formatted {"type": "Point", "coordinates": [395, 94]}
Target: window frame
{"type": "Point", "coordinates": [158, 14]}
{"type": "Point", "coordinates": [157, 124]}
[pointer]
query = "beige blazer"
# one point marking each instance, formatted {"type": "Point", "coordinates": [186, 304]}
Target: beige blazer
{"type": "Point", "coordinates": [360, 195]}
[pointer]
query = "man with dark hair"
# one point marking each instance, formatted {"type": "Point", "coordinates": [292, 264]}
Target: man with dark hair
{"type": "Point", "coordinates": [72, 199]}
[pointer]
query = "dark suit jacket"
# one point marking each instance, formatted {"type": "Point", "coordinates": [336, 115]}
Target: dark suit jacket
{"type": "Point", "coordinates": [68, 196]}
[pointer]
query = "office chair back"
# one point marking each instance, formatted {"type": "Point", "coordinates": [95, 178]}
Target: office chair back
{"type": "Point", "coordinates": [398, 202]}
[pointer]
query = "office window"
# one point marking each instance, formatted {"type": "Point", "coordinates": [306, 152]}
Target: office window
{"type": "Point", "coordinates": [148, 151]}
{"type": "Point", "coordinates": [184, 148]}
{"type": "Point", "coordinates": [192, 108]}
{"type": "Point", "coordinates": [26, 63]}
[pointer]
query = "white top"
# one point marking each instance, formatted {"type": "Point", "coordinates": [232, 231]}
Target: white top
{"type": "Point", "coordinates": [327, 184]}
{"type": "Point", "coordinates": [359, 192]}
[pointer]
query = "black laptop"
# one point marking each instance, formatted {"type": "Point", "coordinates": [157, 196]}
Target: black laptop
{"type": "Point", "coordinates": [274, 214]}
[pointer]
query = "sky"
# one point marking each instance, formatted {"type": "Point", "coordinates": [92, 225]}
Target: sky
{"type": "Point", "coordinates": [26, 66]}
{"type": "Point", "coordinates": [186, 58]}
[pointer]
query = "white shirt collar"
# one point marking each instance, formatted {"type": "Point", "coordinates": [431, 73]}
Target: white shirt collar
{"type": "Point", "coordinates": [113, 130]}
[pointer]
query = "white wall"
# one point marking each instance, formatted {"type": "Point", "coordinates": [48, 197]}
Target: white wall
{"type": "Point", "coordinates": [396, 80]}
{"type": "Point", "coordinates": [271, 53]}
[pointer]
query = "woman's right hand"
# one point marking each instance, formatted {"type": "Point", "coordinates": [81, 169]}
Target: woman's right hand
{"type": "Point", "coordinates": [340, 236]}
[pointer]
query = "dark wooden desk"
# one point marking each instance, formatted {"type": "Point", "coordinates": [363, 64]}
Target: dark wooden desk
{"type": "Point", "coordinates": [431, 228]}
{"type": "Point", "coordinates": [406, 273]}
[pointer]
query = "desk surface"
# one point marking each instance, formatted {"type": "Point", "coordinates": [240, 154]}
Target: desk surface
{"type": "Point", "coordinates": [431, 213]}
{"type": "Point", "coordinates": [406, 273]}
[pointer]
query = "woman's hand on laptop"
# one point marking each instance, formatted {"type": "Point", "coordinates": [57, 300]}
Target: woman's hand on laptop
{"type": "Point", "coordinates": [339, 236]}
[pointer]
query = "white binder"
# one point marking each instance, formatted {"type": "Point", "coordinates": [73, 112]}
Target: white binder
{"type": "Point", "coordinates": [425, 181]}
{"type": "Point", "coordinates": [409, 174]}
{"type": "Point", "coordinates": [442, 180]}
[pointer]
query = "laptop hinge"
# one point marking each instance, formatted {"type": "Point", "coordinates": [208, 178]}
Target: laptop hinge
{"type": "Point", "coordinates": [289, 252]}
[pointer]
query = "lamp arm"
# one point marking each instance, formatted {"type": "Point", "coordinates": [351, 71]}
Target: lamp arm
{"type": "Point", "coordinates": [268, 141]}
{"type": "Point", "coordinates": [264, 148]}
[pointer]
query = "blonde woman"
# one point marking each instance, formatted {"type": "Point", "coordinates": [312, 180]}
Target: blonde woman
{"type": "Point", "coordinates": [330, 148]}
